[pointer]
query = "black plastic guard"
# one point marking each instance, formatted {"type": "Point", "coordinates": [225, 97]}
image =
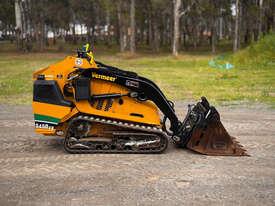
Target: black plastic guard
{"type": "Point", "coordinates": [48, 91]}
{"type": "Point", "coordinates": [82, 89]}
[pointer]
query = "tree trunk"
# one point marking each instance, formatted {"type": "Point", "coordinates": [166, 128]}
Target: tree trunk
{"type": "Point", "coordinates": [107, 35]}
{"type": "Point", "coordinates": [220, 28]}
{"type": "Point", "coordinates": [120, 26]}
{"type": "Point", "coordinates": [240, 23]}
{"type": "Point", "coordinates": [88, 36]}
{"type": "Point", "coordinates": [42, 29]}
{"type": "Point", "coordinates": [54, 36]}
{"type": "Point", "coordinates": [141, 34]}
{"type": "Point", "coordinates": [194, 35]}
{"type": "Point", "coordinates": [117, 27]}
{"type": "Point", "coordinates": [73, 28]}
{"type": "Point", "coordinates": [18, 28]}
{"type": "Point", "coordinates": [273, 19]}
{"type": "Point", "coordinates": [74, 35]}
{"type": "Point", "coordinates": [237, 32]}
{"type": "Point", "coordinates": [93, 35]}
{"type": "Point", "coordinates": [156, 40]}
{"type": "Point", "coordinates": [42, 36]}
{"type": "Point", "coordinates": [260, 18]}
{"type": "Point", "coordinates": [133, 28]}
{"type": "Point", "coordinates": [175, 42]}
{"type": "Point", "coordinates": [213, 36]}
{"type": "Point", "coordinates": [150, 25]}
{"type": "Point", "coordinates": [28, 17]}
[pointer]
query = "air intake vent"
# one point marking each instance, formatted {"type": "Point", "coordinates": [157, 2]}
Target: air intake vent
{"type": "Point", "coordinates": [99, 104]}
{"type": "Point", "coordinates": [102, 103]}
{"type": "Point", "coordinates": [108, 104]}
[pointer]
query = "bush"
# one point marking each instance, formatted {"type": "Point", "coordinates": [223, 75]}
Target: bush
{"type": "Point", "coordinates": [260, 53]}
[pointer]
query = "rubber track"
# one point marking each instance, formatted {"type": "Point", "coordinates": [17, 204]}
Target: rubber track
{"type": "Point", "coordinates": [127, 125]}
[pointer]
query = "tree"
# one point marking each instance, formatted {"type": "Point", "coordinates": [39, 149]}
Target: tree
{"type": "Point", "coordinates": [160, 23]}
{"type": "Point", "coordinates": [175, 44]}
{"type": "Point", "coordinates": [133, 27]}
{"type": "Point", "coordinates": [121, 24]}
{"type": "Point", "coordinates": [178, 13]}
{"type": "Point", "coordinates": [7, 15]}
{"type": "Point", "coordinates": [19, 27]}
{"type": "Point", "coordinates": [155, 24]}
{"type": "Point", "coordinates": [236, 42]}
{"type": "Point", "coordinates": [260, 18]}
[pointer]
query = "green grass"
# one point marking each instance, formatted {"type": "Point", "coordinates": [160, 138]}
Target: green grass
{"type": "Point", "coordinates": [186, 77]}
{"type": "Point", "coordinates": [261, 53]}
{"type": "Point", "coordinates": [16, 75]}
{"type": "Point", "coordinates": [190, 77]}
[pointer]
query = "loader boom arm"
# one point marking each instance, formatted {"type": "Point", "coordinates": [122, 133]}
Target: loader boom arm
{"type": "Point", "coordinates": [201, 130]}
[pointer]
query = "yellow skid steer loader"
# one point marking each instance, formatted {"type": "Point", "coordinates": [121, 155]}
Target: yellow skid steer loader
{"type": "Point", "coordinates": [102, 109]}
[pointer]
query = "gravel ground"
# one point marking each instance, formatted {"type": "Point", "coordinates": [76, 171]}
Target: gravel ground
{"type": "Point", "coordinates": [34, 170]}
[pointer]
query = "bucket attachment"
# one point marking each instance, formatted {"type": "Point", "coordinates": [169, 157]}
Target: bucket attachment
{"type": "Point", "coordinates": [206, 133]}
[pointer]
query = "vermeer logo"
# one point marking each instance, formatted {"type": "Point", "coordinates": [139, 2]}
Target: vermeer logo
{"type": "Point", "coordinates": [107, 78]}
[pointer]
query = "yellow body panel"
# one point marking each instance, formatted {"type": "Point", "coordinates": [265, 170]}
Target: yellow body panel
{"type": "Point", "coordinates": [52, 110]}
{"type": "Point", "coordinates": [120, 111]}
{"type": "Point", "coordinates": [50, 132]}
{"type": "Point", "coordinates": [50, 113]}
{"type": "Point", "coordinates": [124, 108]}
{"type": "Point", "coordinates": [60, 71]}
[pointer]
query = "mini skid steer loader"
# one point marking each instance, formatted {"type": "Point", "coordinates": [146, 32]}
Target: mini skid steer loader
{"type": "Point", "coordinates": [102, 109]}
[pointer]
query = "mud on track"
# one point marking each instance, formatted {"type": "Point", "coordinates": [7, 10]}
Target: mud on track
{"type": "Point", "coordinates": [34, 170]}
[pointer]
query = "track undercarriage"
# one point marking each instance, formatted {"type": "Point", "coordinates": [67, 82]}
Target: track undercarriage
{"type": "Point", "coordinates": [91, 134]}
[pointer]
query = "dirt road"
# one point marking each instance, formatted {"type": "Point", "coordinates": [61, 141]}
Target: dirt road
{"type": "Point", "coordinates": [34, 170]}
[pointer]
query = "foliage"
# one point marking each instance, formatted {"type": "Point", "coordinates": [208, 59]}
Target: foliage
{"type": "Point", "coordinates": [205, 22]}
{"type": "Point", "coordinates": [7, 16]}
{"type": "Point", "coordinates": [261, 53]}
